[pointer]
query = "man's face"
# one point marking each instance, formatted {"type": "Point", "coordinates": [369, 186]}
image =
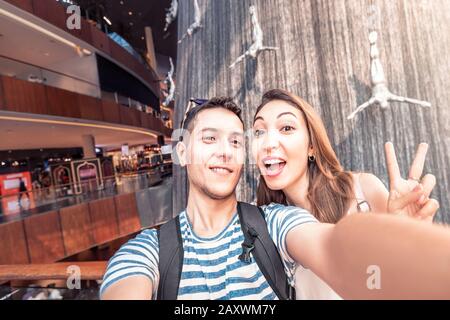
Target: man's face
{"type": "Point", "coordinates": [215, 153]}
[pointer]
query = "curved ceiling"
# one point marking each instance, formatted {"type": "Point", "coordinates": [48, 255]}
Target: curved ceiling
{"type": "Point", "coordinates": [34, 133]}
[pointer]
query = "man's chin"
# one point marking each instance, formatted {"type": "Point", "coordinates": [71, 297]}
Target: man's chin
{"type": "Point", "coordinates": [218, 194]}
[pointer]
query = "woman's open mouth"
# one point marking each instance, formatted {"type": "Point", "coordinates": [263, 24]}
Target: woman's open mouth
{"type": "Point", "coordinates": [273, 166]}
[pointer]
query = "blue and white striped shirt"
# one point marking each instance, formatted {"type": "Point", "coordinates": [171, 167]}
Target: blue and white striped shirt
{"type": "Point", "coordinates": [211, 268]}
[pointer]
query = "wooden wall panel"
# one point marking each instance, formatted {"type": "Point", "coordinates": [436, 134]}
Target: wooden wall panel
{"type": "Point", "coordinates": [111, 112]}
{"type": "Point", "coordinates": [148, 121]}
{"type": "Point", "coordinates": [127, 213]}
{"type": "Point", "coordinates": [24, 96]}
{"type": "Point", "coordinates": [84, 33]}
{"type": "Point", "coordinates": [129, 116]}
{"type": "Point", "coordinates": [76, 228]}
{"type": "Point", "coordinates": [62, 103]}
{"type": "Point", "coordinates": [121, 55]}
{"type": "Point", "coordinates": [52, 12]}
{"type": "Point", "coordinates": [13, 243]}
{"type": "Point", "coordinates": [26, 5]}
{"type": "Point", "coordinates": [100, 40]}
{"type": "Point", "coordinates": [2, 95]}
{"type": "Point", "coordinates": [103, 220]}
{"type": "Point", "coordinates": [136, 117]}
{"type": "Point", "coordinates": [90, 108]}
{"type": "Point", "coordinates": [44, 237]}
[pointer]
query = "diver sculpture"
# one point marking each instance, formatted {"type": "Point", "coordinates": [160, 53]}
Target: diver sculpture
{"type": "Point", "coordinates": [380, 92]}
{"type": "Point", "coordinates": [195, 25]}
{"type": "Point", "coordinates": [257, 35]}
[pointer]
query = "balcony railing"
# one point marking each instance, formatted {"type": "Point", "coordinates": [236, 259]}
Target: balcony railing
{"type": "Point", "coordinates": [52, 281]}
{"type": "Point", "coordinates": [19, 205]}
{"type": "Point", "coordinates": [90, 270]}
{"type": "Point", "coordinates": [24, 96]}
{"type": "Point", "coordinates": [55, 13]}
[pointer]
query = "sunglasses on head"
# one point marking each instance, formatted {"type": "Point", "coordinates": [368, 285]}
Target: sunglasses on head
{"type": "Point", "coordinates": [193, 102]}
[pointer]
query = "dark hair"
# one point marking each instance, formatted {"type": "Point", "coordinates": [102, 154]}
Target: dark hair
{"type": "Point", "coordinates": [330, 189]}
{"type": "Point", "coordinates": [213, 103]}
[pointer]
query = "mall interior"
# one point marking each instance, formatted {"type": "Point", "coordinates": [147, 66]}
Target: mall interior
{"type": "Point", "coordinates": [86, 117]}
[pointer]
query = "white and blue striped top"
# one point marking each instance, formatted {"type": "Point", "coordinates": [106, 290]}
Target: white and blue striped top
{"type": "Point", "coordinates": [211, 268]}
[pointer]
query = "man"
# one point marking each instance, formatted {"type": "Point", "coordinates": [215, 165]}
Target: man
{"type": "Point", "coordinates": [341, 254]}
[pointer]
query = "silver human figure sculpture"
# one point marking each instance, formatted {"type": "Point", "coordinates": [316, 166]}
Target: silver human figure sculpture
{"type": "Point", "coordinates": [380, 92]}
{"type": "Point", "coordinates": [194, 26]}
{"type": "Point", "coordinates": [171, 14]}
{"type": "Point", "coordinates": [171, 83]}
{"type": "Point", "coordinates": [257, 35]}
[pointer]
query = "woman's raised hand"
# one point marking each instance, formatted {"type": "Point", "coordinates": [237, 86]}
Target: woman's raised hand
{"type": "Point", "coordinates": [410, 196]}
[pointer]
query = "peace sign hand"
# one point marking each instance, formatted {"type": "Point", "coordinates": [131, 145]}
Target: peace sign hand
{"type": "Point", "coordinates": [410, 196]}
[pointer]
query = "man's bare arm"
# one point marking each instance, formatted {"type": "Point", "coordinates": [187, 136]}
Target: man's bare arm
{"type": "Point", "coordinates": [130, 288]}
{"type": "Point", "coordinates": [413, 258]}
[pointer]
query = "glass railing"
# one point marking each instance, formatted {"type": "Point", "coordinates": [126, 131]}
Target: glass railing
{"type": "Point", "coordinates": [39, 200]}
{"type": "Point", "coordinates": [131, 103]}
{"type": "Point", "coordinates": [36, 74]}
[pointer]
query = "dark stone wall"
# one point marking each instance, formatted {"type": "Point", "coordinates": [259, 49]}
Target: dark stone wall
{"type": "Point", "coordinates": [323, 57]}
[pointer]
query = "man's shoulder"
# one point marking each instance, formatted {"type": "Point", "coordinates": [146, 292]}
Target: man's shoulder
{"type": "Point", "coordinates": [182, 218]}
{"type": "Point", "coordinates": [145, 238]}
{"type": "Point", "coordinates": [278, 208]}
{"type": "Point", "coordinates": [274, 209]}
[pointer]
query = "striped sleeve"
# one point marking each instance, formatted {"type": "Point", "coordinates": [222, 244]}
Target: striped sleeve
{"type": "Point", "coordinates": [280, 220]}
{"type": "Point", "coordinates": [139, 256]}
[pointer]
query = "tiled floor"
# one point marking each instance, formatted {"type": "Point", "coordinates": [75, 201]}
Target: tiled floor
{"type": "Point", "coordinates": [8, 293]}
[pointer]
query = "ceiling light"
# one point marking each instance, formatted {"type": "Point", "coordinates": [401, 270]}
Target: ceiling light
{"type": "Point", "coordinates": [130, 13]}
{"type": "Point", "coordinates": [107, 20]}
{"type": "Point", "coordinates": [80, 124]}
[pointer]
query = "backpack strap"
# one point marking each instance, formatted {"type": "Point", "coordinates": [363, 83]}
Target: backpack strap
{"type": "Point", "coordinates": [170, 259]}
{"type": "Point", "coordinates": [258, 241]}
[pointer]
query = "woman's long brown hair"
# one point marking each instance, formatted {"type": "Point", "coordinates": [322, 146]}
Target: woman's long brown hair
{"type": "Point", "coordinates": [330, 189]}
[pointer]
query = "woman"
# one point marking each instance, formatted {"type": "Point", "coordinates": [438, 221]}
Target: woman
{"type": "Point", "coordinates": [299, 167]}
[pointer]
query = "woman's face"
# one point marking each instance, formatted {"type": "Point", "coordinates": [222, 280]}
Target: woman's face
{"type": "Point", "coordinates": [280, 144]}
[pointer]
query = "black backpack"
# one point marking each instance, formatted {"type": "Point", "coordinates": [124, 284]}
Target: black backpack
{"type": "Point", "coordinates": [257, 240]}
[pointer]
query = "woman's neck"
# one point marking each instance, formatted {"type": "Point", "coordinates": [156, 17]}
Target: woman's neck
{"type": "Point", "coordinates": [209, 216]}
{"type": "Point", "coordinates": [297, 193]}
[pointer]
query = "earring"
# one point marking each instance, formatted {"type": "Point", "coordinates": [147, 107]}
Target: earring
{"type": "Point", "coordinates": [311, 158]}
